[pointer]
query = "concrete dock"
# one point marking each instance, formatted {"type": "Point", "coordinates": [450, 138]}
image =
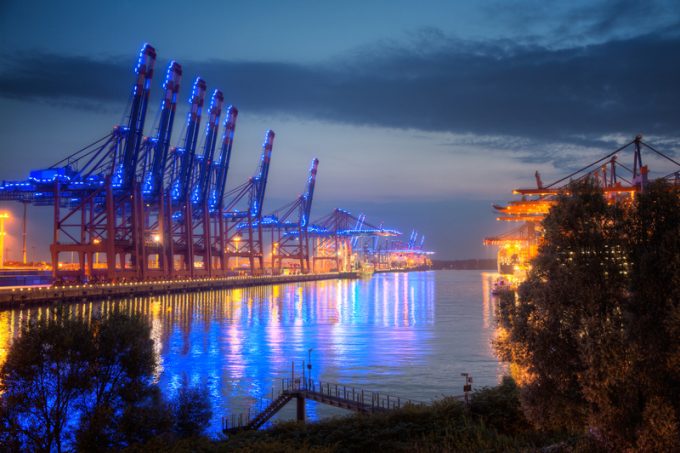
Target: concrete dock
{"type": "Point", "coordinates": [26, 296]}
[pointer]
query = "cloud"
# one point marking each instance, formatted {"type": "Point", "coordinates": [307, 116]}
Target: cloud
{"type": "Point", "coordinates": [564, 24]}
{"type": "Point", "coordinates": [434, 83]}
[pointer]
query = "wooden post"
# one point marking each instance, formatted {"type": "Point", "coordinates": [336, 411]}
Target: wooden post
{"type": "Point", "coordinates": [300, 408]}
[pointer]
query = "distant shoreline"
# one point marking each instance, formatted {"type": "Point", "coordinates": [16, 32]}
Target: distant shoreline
{"type": "Point", "coordinates": [471, 264]}
{"type": "Point", "coordinates": [21, 297]}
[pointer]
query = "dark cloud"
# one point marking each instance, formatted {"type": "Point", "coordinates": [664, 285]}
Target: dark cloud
{"type": "Point", "coordinates": [433, 84]}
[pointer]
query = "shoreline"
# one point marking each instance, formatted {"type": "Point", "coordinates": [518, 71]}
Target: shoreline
{"type": "Point", "coordinates": [20, 297]}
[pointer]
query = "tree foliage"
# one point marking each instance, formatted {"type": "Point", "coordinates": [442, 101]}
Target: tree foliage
{"type": "Point", "coordinates": [42, 382]}
{"type": "Point", "coordinates": [596, 326]}
{"type": "Point", "coordinates": [192, 410]}
{"type": "Point", "coordinates": [70, 384]}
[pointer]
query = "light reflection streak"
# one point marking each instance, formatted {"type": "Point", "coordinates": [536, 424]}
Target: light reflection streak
{"type": "Point", "coordinates": [381, 332]}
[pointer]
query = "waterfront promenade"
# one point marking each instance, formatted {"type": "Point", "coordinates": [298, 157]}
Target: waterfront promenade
{"type": "Point", "coordinates": [16, 297]}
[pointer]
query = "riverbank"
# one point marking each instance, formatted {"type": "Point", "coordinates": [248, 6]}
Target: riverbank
{"type": "Point", "coordinates": [18, 297]}
{"type": "Point", "coordinates": [492, 422]}
{"type": "Point", "coordinates": [399, 270]}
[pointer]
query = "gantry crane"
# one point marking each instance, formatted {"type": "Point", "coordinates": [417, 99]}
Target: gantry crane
{"type": "Point", "coordinates": [132, 207]}
{"type": "Point", "coordinates": [243, 227]}
{"type": "Point", "coordinates": [289, 232]}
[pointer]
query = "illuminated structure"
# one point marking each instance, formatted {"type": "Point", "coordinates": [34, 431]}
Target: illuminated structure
{"type": "Point", "coordinates": [517, 247]}
{"type": "Point", "coordinates": [132, 207]}
{"type": "Point", "coordinates": [3, 216]}
{"type": "Point", "coordinates": [335, 237]}
{"type": "Point", "coordinates": [290, 249]}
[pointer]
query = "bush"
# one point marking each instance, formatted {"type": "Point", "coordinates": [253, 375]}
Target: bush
{"type": "Point", "coordinates": [192, 410]}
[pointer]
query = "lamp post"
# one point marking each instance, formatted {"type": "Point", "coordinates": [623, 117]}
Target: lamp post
{"type": "Point", "coordinates": [237, 239]}
{"type": "Point", "coordinates": [157, 240]}
{"type": "Point", "coordinates": [96, 241]}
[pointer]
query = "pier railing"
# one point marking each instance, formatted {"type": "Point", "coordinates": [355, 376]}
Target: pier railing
{"type": "Point", "coordinates": [325, 392]}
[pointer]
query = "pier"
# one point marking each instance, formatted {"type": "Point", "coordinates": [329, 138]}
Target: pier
{"type": "Point", "coordinates": [329, 393]}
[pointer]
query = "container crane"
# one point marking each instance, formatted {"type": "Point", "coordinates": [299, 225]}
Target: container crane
{"type": "Point", "coordinates": [249, 221]}
{"type": "Point", "coordinates": [155, 159]}
{"type": "Point", "coordinates": [160, 145]}
{"type": "Point", "coordinates": [219, 171]}
{"type": "Point", "coordinates": [178, 212]}
{"type": "Point", "coordinates": [125, 173]}
{"type": "Point", "coordinates": [183, 157]}
{"type": "Point", "coordinates": [292, 237]}
{"type": "Point", "coordinates": [333, 236]}
{"type": "Point", "coordinates": [206, 160]}
{"type": "Point", "coordinates": [199, 219]}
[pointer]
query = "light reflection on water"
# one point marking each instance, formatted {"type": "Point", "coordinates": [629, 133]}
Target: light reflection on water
{"type": "Point", "coordinates": [409, 334]}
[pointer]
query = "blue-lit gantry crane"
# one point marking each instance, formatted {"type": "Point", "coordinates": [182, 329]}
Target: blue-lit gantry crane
{"type": "Point", "coordinates": [132, 207]}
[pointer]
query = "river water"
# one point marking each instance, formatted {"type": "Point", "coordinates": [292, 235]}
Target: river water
{"type": "Point", "coordinates": [407, 334]}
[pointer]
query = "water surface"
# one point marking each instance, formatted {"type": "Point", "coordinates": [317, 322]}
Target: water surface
{"type": "Point", "coordinates": [409, 334]}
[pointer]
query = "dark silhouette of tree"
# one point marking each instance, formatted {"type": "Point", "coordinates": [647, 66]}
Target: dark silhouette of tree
{"type": "Point", "coordinates": [119, 376]}
{"type": "Point", "coordinates": [69, 383]}
{"type": "Point", "coordinates": [192, 410]}
{"type": "Point", "coordinates": [43, 380]}
{"type": "Point", "coordinates": [596, 324]}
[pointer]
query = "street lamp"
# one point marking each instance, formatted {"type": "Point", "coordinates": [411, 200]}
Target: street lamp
{"type": "Point", "coordinates": [237, 239]}
{"type": "Point", "coordinates": [96, 241]}
{"type": "Point", "coordinates": [157, 240]}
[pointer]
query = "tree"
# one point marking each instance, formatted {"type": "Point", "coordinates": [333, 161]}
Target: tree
{"type": "Point", "coordinates": [596, 323]}
{"type": "Point", "coordinates": [192, 410]}
{"type": "Point", "coordinates": [655, 314]}
{"type": "Point", "coordinates": [66, 382]}
{"type": "Point", "coordinates": [119, 376]}
{"type": "Point", "coordinates": [43, 380]}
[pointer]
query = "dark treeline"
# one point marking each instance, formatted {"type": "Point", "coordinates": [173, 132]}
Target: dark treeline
{"type": "Point", "coordinates": [88, 386]}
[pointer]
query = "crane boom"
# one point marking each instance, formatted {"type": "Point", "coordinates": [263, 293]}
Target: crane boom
{"type": "Point", "coordinates": [221, 165]}
{"type": "Point", "coordinates": [161, 145]}
{"type": "Point", "coordinates": [309, 193]}
{"type": "Point", "coordinates": [412, 239]}
{"type": "Point", "coordinates": [214, 111]}
{"type": "Point", "coordinates": [125, 172]}
{"type": "Point", "coordinates": [181, 183]}
{"type": "Point", "coordinates": [263, 173]}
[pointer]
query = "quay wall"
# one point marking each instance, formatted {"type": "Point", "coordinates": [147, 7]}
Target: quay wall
{"type": "Point", "coordinates": [18, 297]}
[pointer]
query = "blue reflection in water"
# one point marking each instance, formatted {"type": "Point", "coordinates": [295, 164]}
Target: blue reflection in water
{"type": "Point", "coordinates": [409, 334]}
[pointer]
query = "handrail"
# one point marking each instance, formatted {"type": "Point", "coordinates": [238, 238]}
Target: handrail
{"type": "Point", "coordinates": [352, 398]}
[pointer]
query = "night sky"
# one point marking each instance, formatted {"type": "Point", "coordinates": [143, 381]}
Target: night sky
{"type": "Point", "coordinates": [422, 113]}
